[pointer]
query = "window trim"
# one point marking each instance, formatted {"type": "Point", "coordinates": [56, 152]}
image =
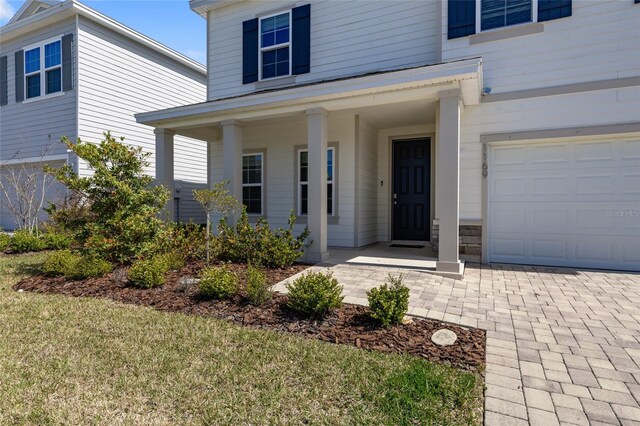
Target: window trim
{"type": "Point", "coordinates": [42, 71]}
{"type": "Point", "coordinates": [534, 18]}
{"type": "Point", "coordinates": [334, 217]}
{"type": "Point", "coordinates": [263, 155]}
{"type": "Point", "coordinates": [288, 44]}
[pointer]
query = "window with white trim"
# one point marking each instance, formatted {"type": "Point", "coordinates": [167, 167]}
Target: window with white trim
{"type": "Point", "coordinates": [252, 179]}
{"type": "Point", "coordinates": [303, 182]}
{"type": "Point", "coordinates": [493, 14]}
{"type": "Point", "coordinates": [43, 69]}
{"type": "Point", "coordinates": [275, 45]}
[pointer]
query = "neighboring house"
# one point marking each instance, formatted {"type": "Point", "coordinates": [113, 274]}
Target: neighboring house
{"type": "Point", "coordinates": [513, 125]}
{"type": "Point", "coordinates": [67, 70]}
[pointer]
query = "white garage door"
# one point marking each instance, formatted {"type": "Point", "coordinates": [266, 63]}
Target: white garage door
{"type": "Point", "coordinates": [566, 203]}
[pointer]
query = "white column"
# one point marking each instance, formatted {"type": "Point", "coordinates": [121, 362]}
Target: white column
{"type": "Point", "coordinates": [232, 157]}
{"type": "Point", "coordinates": [164, 165]}
{"type": "Point", "coordinates": [448, 181]}
{"type": "Point", "coordinates": [317, 131]}
{"type": "Point", "coordinates": [211, 149]}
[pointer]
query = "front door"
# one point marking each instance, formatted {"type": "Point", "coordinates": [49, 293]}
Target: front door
{"type": "Point", "coordinates": [411, 184]}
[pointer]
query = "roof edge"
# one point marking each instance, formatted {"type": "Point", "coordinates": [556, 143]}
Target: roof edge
{"type": "Point", "coordinates": [201, 7]}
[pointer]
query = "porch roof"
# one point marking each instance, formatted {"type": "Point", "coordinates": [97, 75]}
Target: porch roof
{"type": "Point", "coordinates": [407, 84]}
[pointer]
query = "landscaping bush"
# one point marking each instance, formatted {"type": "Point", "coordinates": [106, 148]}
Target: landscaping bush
{"type": "Point", "coordinates": [5, 240]}
{"type": "Point", "coordinates": [258, 290]}
{"type": "Point", "coordinates": [72, 265]}
{"type": "Point", "coordinates": [218, 283]}
{"type": "Point", "coordinates": [187, 240]}
{"type": "Point", "coordinates": [315, 294]}
{"type": "Point", "coordinates": [23, 241]}
{"type": "Point", "coordinates": [260, 245]}
{"type": "Point", "coordinates": [56, 240]}
{"type": "Point", "coordinates": [148, 273]}
{"type": "Point", "coordinates": [389, 303]}
{"type": "Point", "coordinates": [174, 261]}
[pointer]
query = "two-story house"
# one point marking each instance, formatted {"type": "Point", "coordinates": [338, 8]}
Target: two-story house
{"type": "Point", "coordinates": [507, 129]}
{"type": "Point", "coordinates": [67, 70]}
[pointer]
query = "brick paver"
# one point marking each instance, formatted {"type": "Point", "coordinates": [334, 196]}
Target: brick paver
{"type": "Point", "coordinates": [563, 345]}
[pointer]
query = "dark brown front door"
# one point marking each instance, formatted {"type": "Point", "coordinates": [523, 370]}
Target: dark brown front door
{"type": "Point", "coordinates": [411, 183]}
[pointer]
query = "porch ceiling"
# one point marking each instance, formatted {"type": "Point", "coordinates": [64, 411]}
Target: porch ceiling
{"type": "Point", "coordinates": [394, 89]}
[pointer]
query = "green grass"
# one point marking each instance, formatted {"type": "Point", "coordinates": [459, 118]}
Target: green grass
{"type": "Point", "coordinates": [87, 361]}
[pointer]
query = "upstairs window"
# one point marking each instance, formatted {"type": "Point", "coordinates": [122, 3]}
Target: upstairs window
{"type": "Point", "coordinates": [303, 182]}
{"type": "Point", "coordinates": [503, 13]}
{"type": "Point", "coordinates": [275, 46]}
{"type": "Point", "coordinates": [43, 69]}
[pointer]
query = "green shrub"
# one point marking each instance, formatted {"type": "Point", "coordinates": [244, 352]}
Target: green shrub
{"type": "Point", "coordinates": [260, 245]}
{"type": "Point", "coordinates": [23, 241]}
{"type": "Point", "coordinates": [315, 294]}
{"type": "Point", "coordinates": [189, 240]}
{"type": "Point", "coordinates": [56, 240]}
{"type": "Point", "coordinates": [218, 283]}
{"type": "Point", "coordinates": [148, 273]}
{"type": "Point", "coordinates": [5, 240]}
{"type": "Point", "coordinates": [75, 266]}
{"type": "Point", "coordinates": [258, 290]}
{"type": "Point", "coordinates": [389, 303]}
{"type": "Point", "coordinates": [173, 261]}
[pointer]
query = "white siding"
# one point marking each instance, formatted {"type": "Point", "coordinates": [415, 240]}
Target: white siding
{"type": "Point", "coordinates": [119, 78]}
{"type": "Point", "coordinates": [347, 38]}
{"type": "Point", "coordinates": [598, 42]}
{"type": "Point", "coordinates": [367, 183]}
{"type": "Point", "coordinates": [279, 139]}
{"type": "Point", "coordinates": [34, 128]}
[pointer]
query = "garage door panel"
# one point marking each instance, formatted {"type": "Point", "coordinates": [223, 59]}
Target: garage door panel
{"type": "Point", "coordinates": [566, 204]}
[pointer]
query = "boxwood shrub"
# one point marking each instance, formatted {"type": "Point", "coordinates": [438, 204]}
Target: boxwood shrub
{"type": "Point", "coordinates": [218, 283]}
{"type": "Point", "coordinates": [389, 303]}
{"type": "Point", "coordinates": [148, 273]}
{"type": "Point", "coordinates": [23, 241]}
{"type": "Point", "coordinates": [315, 294]}
{"type": "Point", "coordinates": [75, 266]}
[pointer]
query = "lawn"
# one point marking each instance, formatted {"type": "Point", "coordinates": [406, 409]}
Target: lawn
{"type": "Point", "coordinates": [87, 361]}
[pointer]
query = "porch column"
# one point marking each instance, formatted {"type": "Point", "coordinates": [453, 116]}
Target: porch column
{"type": "Point", "coordinates": [211, 167]}
{"type": "Point", "coordinates": [164, 165]}
{"type": "Point", "coordinates": [448, 181]}
{"type": "Point", "coordinates": [232, 158]}
{"type": "Point", "coordinates": [317, 184]}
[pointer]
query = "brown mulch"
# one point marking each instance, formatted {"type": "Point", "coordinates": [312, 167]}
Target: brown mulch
{"type": "Point", "coordinates": [348, 325]}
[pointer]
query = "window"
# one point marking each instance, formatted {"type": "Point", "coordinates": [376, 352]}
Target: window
{"type": "Point", "coordinates": [275, 46]}
{"type": "Point", "coordinates": [252, 178]}
{"type": "Point", "coordinates": [43, 69]}
{"type": "Point", "coordinates": [503, 13]}
{"type": "Point", "coordinates": [303, 182]}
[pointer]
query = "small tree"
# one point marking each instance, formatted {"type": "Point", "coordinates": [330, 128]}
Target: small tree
{"type": "Point", "coordinates": [217, 200]}
{"type": "Point", "coordinates": [121, 203]}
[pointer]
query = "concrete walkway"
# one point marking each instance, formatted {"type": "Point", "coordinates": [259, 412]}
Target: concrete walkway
{"type": "Point", "coordinates": [563, 345]}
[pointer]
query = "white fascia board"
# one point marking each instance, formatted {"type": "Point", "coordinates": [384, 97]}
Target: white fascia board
{"type": "Point", "coordinates": [70, 8]}
{"type": "Point", "coordinates": [28, 160]}
{"type": "Point", "coordinates": [201, 7]}
{"type": "Point", "coordinates": [459, 71]}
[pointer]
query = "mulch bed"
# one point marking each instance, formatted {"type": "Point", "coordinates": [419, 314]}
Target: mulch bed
{"type": "Point", "coordinates": [348, 325]}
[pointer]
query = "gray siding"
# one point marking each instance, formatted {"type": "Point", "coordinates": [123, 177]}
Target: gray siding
{"type": "Point", "coordinates": [119, 78]}
{"type": "Point", "coordinates": [30, 128]}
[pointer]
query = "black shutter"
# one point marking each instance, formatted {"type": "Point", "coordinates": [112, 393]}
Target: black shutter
{"type": "Point", "coordinates": [301, 39]}
{"type": "Point", "coordinates": [250, 51]}
{"type": "Point", "coordinates": [19, 75]}
{"type": "Point", "coordinates": [4, 86]}
{"type": "Point", "coordinates": [553, 9]}
{"type": "Point", "coordinates": [67, 62]}
{"type": "Point", "coordinates": [462, 18]}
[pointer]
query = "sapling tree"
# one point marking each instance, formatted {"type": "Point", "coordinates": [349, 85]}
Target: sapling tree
{"type": "Point", "coordinates": [216, 200]}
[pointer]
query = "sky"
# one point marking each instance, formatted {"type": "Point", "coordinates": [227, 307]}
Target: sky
{"type": "Point", "coordinates": [170, 22]}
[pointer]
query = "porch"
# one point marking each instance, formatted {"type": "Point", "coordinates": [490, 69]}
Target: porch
{"type": "Point", "coordinates": [332, 153]}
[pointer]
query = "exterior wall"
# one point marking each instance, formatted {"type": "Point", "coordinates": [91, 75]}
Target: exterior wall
{"type": "Point", "coordinates": [33, 127]}
{"type": "Point", "coordinates": [347, 38]}
{"type": "Point", "coordinates": [598, 42]}
{"type": "Point", "coordinates": [367, 182]}
{"type": "Point", "coordinates": [279, 139]}
{"type": "Point", "coordinates": [119, 78]}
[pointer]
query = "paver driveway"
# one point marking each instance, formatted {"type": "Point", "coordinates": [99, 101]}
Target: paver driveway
{"type": "Point", "coordinates": [563, 345]}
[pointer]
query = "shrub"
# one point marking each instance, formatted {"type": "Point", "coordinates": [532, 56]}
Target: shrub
{"type": "Point", "coordinates": [23, 241]}
{"type": "Point", "coordinates": [56, 240]}
{"type": "Point", "coordinates": [218, 283]}
{"type": "Point", "coordinates": [75, 266]}
{"type": "Point", "coordinates": [260, 245]}
{"type": "Point", "coordinates": [389, 303]}
{"type": "Point", "coordinates": [258, 290]}
{"type": "Point", "coordinates": [315, 294]}
{"type": "Point", "coordinates": [5, 240]}
{"type": "Point", "coordinates": [174, 261]}
{"type": "Point", "coordinates": [148, 273]}
{"type": "Point", "coordinates": [187, 240]}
